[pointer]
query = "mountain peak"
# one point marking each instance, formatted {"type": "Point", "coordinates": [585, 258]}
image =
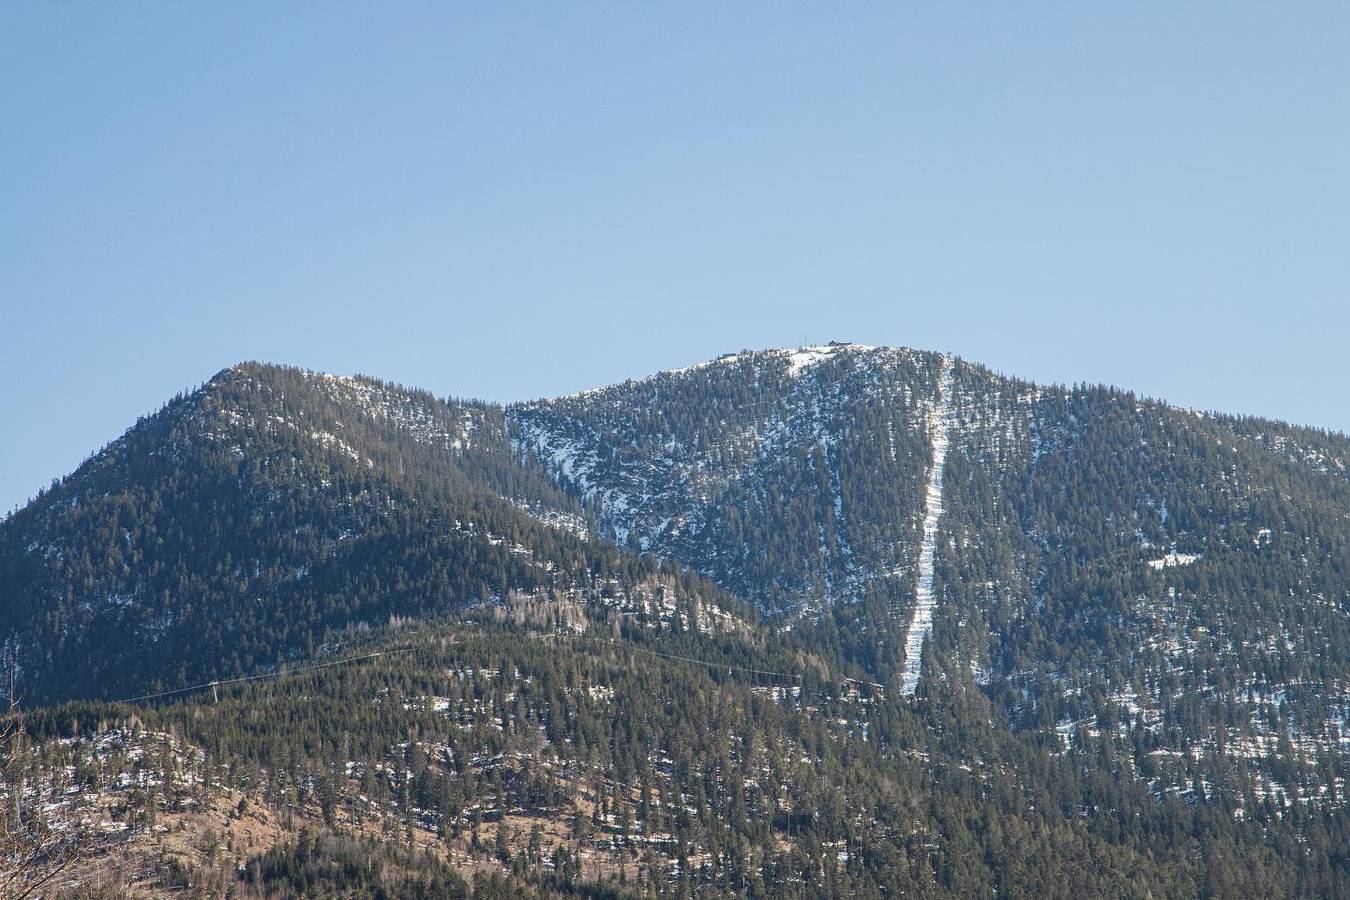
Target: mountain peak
{"type": "Point", "coordinates": [798, 359]}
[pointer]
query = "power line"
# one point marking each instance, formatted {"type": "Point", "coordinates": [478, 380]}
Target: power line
{"type": "Point", "coordinates": [711, 665]}
{"type": "Point", "coordinates": [277, 674]}
{"type": "Point", "coordinates": [351, 659]}
{"type": "Point", "coordinates": [673, 656]}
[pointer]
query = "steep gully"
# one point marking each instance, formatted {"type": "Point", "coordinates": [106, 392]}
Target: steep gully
{"type": "Point", "coordinates": [921, 621]}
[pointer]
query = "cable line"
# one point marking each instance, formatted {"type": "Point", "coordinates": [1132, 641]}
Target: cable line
{"type": "Point", "coordinates": [276, 674]}
{"type": "Point", "coordinates": [711, 665]}
{"type": "Point", "coordinates": [672, 656]}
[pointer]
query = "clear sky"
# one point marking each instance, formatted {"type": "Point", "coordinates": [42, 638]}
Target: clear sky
{"type": "Point", "coordinates": [512, 200]}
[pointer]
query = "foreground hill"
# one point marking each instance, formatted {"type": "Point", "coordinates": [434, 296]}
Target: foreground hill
{"type": "Point", "coordinates": [531, 761]}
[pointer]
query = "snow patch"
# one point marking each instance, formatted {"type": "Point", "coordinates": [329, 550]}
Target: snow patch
{"type": "Point", "coordinates": [1173, 559]}
{"type": "Point", "coordinates": [921, 622]}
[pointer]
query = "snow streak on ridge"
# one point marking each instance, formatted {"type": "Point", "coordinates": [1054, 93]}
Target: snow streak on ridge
{"type": "Point", "coordinates": [921, 622]}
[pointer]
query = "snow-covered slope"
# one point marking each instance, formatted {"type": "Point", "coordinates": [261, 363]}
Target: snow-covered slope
{"type": "Point", "coordinates": [705, 464]}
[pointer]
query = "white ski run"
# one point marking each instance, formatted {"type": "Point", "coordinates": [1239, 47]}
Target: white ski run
{"type": "Point", "coordinates": [921, 622]}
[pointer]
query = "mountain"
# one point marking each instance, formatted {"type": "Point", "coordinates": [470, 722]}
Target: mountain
{"type": "Point", "coordinates": [273, 509]}
{"type": "Point", "coordinates": [1101, 563]}
{"type": "Point", "coordinates": [837, 620]}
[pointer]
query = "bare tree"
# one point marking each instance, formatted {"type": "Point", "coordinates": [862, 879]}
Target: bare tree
{"type": "Point", "coordinates": [34, 850]}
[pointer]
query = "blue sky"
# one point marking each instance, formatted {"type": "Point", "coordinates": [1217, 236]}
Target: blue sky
{"type": "Point", "coordinates": [513, 200]}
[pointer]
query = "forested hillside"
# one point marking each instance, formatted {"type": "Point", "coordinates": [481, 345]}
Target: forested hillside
{"type": "Point", "coordinates": [270, 510]}
{"type": "Point", "coordinates": [840, 621]}
{"type": "Point", "coordinates": [616, 767]}
{"type": "Point", "coordinates": [1108, 569]}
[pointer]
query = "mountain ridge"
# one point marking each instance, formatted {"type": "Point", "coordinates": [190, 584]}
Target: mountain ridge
{"type": "Point", "coordinates": [277, 482]}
